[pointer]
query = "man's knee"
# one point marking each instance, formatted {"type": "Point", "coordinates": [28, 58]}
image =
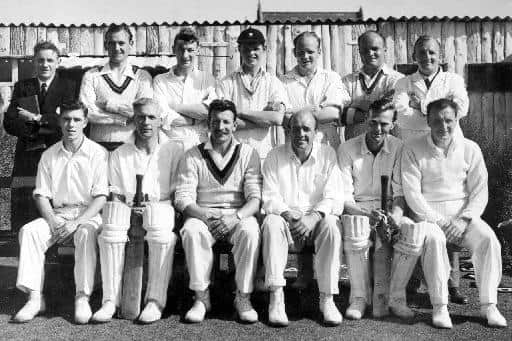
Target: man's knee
{"type": "Point", "coordinates": [158, 221]}
{"type": "Point", "coordinates": [356, 232]}
{"type": "Point", "coordinates": [329, 226]}
{"type": "Point", "coordinates": [273, 224]}
{"type": "Point", "coordinates": [193, 228]}
{"type": "Point", "coordinates": [250, 229]}
{"type": "Point", "coordinates": [434, 234]}
{"type": "Point", "coordinates": [486, 235]}
{"type": "Point", "coordinates": [85, 233]}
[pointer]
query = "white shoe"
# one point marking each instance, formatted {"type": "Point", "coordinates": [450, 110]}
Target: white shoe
{"type": "Point", "coordinates": [276, 309]}
{"type": "Point", "coordinates": [493, 315]}
{"type": "Point", "coordinates": [399, 308]}
{"type": "Point", "coordinates": [201, 305]}
{"type": "Point", "coordinates": [356, 309]}
{"type": "Point", "coordinates": [33, 307]}
{"type": "Point", "coordinates": [151, 313]}
{"type": "Point", "coordinates": [441, 317]}
{"type": "Point", "coordinates": [332, 315]}
{"type": "Point", "coordinates": [83, 311]}
{"type": "Point", "coordinates": [105, 313]}
{"type": "Point", "coordinates": [244, 308]}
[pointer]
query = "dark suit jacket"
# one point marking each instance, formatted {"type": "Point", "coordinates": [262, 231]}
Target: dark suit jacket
{"type": "Point", "coordinates": [61, 90]}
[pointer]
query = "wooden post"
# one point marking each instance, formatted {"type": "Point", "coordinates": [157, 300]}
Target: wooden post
{"type": "Point", "coordinates": [289, 58]}
{"type": "Point", "coordinates": [41, 33]}
{"type": "Point", "coordinates": [233, 63]}
{"type": "Point", "coordinates": [473, 42]}
{"type": "Point", "coordinates": [487, 97]}
{"type": "Point", "coordinates": [17, 40]}
{"type": "Point", "coordinates": [318, 30]}
{"type": "Point", "coordinates": [280, 69]}
{"type": "Point", "coordinates": [133, 29]}
{"type": "Point", "coordinates": [500, 115]}
{"type": "Point", "coordinates": [346, 49]}
{"type": "Point", "coordinates": [205, 34]}
{"type": "Point", "coordinates": [475, 116]}
{"type": "Point", "coordinates": [272, 49]}
{"type": "Point", "coordinates": [219, 61]}
{"type": "Point", "coordinates": [74, 39]}
{"type": "Point", "coordinates": [387, 30]}
{"type": "Point", "coordinates": [326, 47]}
{"type": "Point", "coordinates": [461, 48]}
{"type": "Point", "coordinates": [163, 39]}
{"type": "Point", "coordinates": [140, 34]}
{"type": "Point", "coordinates": [400, 42]}
{"type": "Point", "coordinates": [61, 38]}
{"type": "Point", "coordinates": [86, 40]}
{"type": "Point", "coordinates": [30, 40]}
{"type": "Point", "coordinates": [334, 33]}
{"type": "Point", "coordinates": [357, 30]}
{"type": "Point", "coordinates": [152, 39]}
{"type": "Point", "coordinates": [99, 41]}
{"type": "Point", "coordinates": [414, 31]}
{"type": "Point", "coordinates": [448, 44]}
{"type": "Point", "coordinates": [5, 41]}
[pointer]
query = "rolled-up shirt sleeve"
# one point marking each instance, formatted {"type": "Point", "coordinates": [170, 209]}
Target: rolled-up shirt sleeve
{"type": "Point", "coordinates": [161, 95]}
{"type": "Point", "coordinates": [145, 88]}
{"type": "Point", "coordinates": [411, 184]}
{"type": "Point", "coordinates": [401, 97]}
{"type": "Point", "coordinates": [345, 169]}
{"type": "Point", "coordinates": [100, 175]}
{"type": "Point", "coordinates": [332, 197]}
{"type": "Point", "coordinates": [396, 176]}
{"type": "Point", "coordinates": [252, 178]}
{"type": "Point", "coordinates": [273, 202]}
{"type": "Point", "coordinates": [476, 185]}
{"type": "Point", "coordinates": [187, 181]}
{"type": "Point", "coordinates": [43, 178]}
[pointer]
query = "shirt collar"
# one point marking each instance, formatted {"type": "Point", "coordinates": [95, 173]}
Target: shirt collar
{"type": "Point", "coordinates": [419, 75]}
{"type": "Point", "coordinates": [384, 69]}
{"type": "Point", "coordinates": [85, 148]}
{"type": "Point", "coordinates": [260, 72]}
{"type": "Point", "coordinates": [455, 142]}
{"type": "Point", "coordinates": [364, 147]}
{"type": "Point", "coordinates": [172, 75]}
{"type": "Point", "coordinates": [47, 82]}
{"type": "Point", "coordinates": [128, 70]}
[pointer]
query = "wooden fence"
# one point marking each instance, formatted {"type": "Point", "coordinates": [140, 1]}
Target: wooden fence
{"type": "Point", "coordinates": [462, 42]}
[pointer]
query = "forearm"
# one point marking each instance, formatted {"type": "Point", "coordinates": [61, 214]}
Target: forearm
{"type": "Point", "coordinates": [328, 114]}
{"type": "Point", "coordinates": [398, 207]}
{"type": "Point", "coordinates": [196, 211]}
{"type": "Point", "coordinates": [352, 208]}
{"type": "Point", "coordinates": [251, 207]}
{"type": "Point", "coordinates": [99, 116]}
{"type": "Point", "coordinates": [242, 124]}
{"type": "Point", "coordinates": [92, 210]}
{"type": "Point", "coordinates": [197, 111]}
{"type": "Point", "coordinates": [263, 118]}
{"type": "Point", "coordinates": [45, 209]}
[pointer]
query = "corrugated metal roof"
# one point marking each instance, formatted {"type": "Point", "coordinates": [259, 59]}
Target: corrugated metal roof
{"type": "Point", "coordinates": [287, 21]}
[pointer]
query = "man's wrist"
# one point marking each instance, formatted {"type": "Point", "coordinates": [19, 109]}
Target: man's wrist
{"type": "Point", "coordinates": [239, 215]}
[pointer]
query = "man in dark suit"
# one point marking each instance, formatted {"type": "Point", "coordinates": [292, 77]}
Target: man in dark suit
{"type": "Point", "coordinates": [36, 131]}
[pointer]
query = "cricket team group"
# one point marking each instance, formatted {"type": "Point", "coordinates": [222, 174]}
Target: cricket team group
{"type": "Point", "coordinates": [260, 163]}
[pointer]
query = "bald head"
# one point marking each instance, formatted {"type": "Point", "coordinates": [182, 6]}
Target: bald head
{"type": "Point", "coordinates": [304, 115]}
{"type": "Point", "coordinates": [368, 36]}
{"type": "Point", "coordinates": [372, 51]}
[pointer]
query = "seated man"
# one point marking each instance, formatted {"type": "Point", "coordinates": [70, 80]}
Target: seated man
{"type": "Point", "coordinates": [184, 92]}
{"type": "Point", "coordinates": [71, 188]}
{"type": "Point", "coordinates": [219, 191]}
{"type": "Point", "coordinates": [363, 160]}
{"type": "Point", "coordinates": [444, 181]}
{"type": "Point", "coordinates": [109, 91]}
{"type": "Point", "coordinates": [157, 161]}
{"type": "Point", "coordinates": [35, 130]}
{"type": "Point", "coordinates": [302, 188]}
{"type": "Point", "coordinates": [309, 86]}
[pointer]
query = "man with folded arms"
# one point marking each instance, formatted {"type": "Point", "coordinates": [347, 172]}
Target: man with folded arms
{"type": "Point", "coordinates": [444, 181]}
{"type": "Point", "coordinates": [373, 81]}
{"type": "Point", "coordinates": [301, 195]}
{"type": "Point", "coordinates": [108, 91]}
{"type": "Point", "coordinates": [71, 188]}
{"type": "Point", "coordinates": [311, 87]}
{"type": "Point", "coordinates": [219, 192]}
{"type": "Point", "coordinates": [363, 160]}
{"type": "Point", "coordinates": [157, 161]}
{"type": "Point", "coordinates": [259, 96]}
{"type": "Point", "coordinates": [184, 93]}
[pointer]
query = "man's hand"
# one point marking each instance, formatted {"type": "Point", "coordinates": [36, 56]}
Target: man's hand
{"type": "Point", "coordinates": [414, 101]}
{"type": "Point", "coordinates": [221, 227]}
{"type": "Point", "coordinates": [65, 230]}
{"type": "Point", "coordinates": [125, 110]}
{"type": "Point", "coordinates": [26, 115]}
{"type": "Point", "coordinates": [291, 216]}
{"type": "Point", "coordinates": [376, 216]}
{"type": "Point", "coordinates": [273, 106]}
{"type": "Point", "coordinates": [455, 230]}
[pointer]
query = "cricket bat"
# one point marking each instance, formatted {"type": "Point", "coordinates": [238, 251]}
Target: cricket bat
{"type": "Point", "coordinates": [384, 182]}
{"type": "Point", "coordinates": [134, 259]}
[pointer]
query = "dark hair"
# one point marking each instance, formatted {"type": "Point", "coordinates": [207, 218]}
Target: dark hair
{"type": "Point", "coordinates": [440, 104]}
{"type": "Point", "coordinates": [114, 28]}
{"type": "Point", "coordinates": [187, 35]}
{"type": "Point", "coordinates": [366, 34]}
{"type": "Point", "coordinates": [420, 41]}
{"type": "Point", "coordinates": [72, 106]}
{"type": "Point", "coordinates": [383, 104]}
{"type": "Point", "coordinates": [220, 105]}
{"type": "Point", "coordinates": [45, 45]}
{"type": "Point", "coordinates": [305, 35]}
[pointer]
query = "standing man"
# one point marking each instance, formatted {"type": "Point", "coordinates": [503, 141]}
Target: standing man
{"type": "Point", "coordinates": [363, 160]}
{"type": "Point", "coordinates": [184, 93]}
{"type": "Point", "coordinates": [109, 91]}
{"type": "Point", "coordinates": [413, 94]}
{"type": "Point", "coordinates": [219, 192]}
{"type": "Point", "coordinates": [259, 96]}
{"type": "Point", "coordinates": [36, 131]}
{"type": "Point", "coordinates": [375, 80]}
{"type": "Point", "coordinates": [313, 88]}
{"type": "Point", "coordinates": [157, 162]}
{"type": "Point", "coordinates": [301, 196]}
{"type": "Point", "coordinates": [71, 188]}
{"type": "Point", "coordinates": [445, 182]}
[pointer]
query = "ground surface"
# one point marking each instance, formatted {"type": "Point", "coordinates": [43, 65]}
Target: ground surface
{"type": "Point", "coordinates": [57, 323]}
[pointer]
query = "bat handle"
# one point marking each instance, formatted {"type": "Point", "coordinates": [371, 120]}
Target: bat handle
{"type": "Point", "coordinates": [139, 197]}
{"type": "Point", "coordinates": [384, 182]}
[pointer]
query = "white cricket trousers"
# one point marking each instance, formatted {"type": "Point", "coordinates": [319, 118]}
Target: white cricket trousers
{"type": "Point", "coordinates": [485, 250]}
{"type": "Point", "coordinates": [327, 241]}
{"type": "Point", "coordinates": [198, 241]}
{"type": "Point", "coordinates": [35, 238]}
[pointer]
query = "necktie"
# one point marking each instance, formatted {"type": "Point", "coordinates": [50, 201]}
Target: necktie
{"type": "Point", "coordinates": [43, 92]}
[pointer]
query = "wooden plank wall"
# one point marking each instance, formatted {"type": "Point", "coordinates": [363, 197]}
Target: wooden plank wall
{"type": "Point", "coordinates": [462, 42]}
